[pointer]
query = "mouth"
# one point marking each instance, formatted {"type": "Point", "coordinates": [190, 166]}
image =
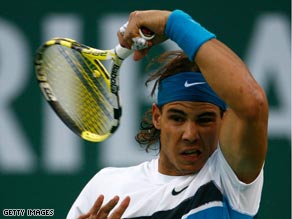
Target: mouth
{"type": "Point", "coordinates": [191, 156]}
{"type": "Point", "coordinates": [191, 152]}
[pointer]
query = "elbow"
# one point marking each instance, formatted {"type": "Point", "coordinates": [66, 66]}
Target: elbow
{"type": "Point", "coordinates": [256, 106]}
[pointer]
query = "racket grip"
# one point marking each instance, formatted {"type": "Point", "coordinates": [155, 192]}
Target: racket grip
{"type": "Point", "coordinates": [122, 52]}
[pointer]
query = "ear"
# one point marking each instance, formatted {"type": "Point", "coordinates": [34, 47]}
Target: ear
{"type": "Point", "coordinates": [156, 116]}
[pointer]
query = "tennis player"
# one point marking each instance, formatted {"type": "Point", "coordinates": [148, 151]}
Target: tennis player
{"type": "Point", "coordinates": [210, 126]}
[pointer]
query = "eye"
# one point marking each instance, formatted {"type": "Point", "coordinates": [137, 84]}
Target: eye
{"type": "Point", "coordinates": [206, 120]}
{"type": "Point", "coordinates": [176, 118]}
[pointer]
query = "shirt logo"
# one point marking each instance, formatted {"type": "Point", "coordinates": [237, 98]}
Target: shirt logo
{"type": "Point", "coordinates": [187, 84]}
{"type": "Point", "coordinates": [174, 192]}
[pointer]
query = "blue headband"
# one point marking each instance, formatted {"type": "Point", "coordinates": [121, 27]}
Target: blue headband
{"type": "Point", "coordinates": [187, 86]}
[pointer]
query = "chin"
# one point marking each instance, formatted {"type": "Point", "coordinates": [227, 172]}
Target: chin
{"type": "Point", "coordinates": [190, 171]}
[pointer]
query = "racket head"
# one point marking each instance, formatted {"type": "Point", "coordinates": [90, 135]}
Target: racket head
{"type": "Point", "coordinates": [76, 84]}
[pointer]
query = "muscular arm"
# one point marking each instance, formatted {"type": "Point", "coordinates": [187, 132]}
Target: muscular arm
{"type": "Point", "coordinates": [243, 137]}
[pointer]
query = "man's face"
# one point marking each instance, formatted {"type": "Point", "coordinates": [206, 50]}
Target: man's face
{"type": "Point", "coordinates": [189, 135]}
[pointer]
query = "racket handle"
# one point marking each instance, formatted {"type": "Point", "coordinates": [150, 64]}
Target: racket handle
{"type": "Point", "coordinates": [122, 52]}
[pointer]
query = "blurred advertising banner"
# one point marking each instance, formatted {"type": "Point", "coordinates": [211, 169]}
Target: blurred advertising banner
{"type": "Point", "coordinates": [44, 166]}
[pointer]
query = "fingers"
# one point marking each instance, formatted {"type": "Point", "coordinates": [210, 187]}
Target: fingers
{"type": "Point", "coordinates": [95, 208]}
{"type": "Point", "coordinates": [102, 212]}
{"type": "Point", "coordinates": [152, 20]}
{"type": "Point", "coordinates": [139, 54]}
{"type": "Point", "coordinates": [106, 209]}
{"type": "Point", "coordinates": [119, 211]}
{"type": "Point", "coordinates": [97, 204]}
{"type": "Point", "coordinates": [141, 48]}
{"type": "Point", "coordinates": [137, 43]}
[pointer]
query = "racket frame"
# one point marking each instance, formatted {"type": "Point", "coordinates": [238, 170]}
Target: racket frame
{"type": "Point", "coordinates": [116, 56]}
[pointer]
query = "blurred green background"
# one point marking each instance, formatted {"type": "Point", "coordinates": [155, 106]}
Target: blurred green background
{"type": "Point", "coordinates": [44, 166]}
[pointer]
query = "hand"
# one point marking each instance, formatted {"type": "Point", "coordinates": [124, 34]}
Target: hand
{"type": "Point", "coordinates": [154, 20]}
{"type": "Point", "coordinates": [103, 212]}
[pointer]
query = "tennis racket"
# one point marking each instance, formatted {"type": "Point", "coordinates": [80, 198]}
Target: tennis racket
{"type": "Point", "coordinates": [78, 86]}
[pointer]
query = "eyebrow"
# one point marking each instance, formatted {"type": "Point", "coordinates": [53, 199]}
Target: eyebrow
{"type": "Point", "coordinates": [212, 114]}
{"type": "Point", "coordinates": [176, 111]}
{"type": "Point", "coordinates": [208, 113]}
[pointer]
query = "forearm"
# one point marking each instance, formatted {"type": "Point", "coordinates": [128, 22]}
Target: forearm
{"type": "Point", "coordinates": [229, 77]}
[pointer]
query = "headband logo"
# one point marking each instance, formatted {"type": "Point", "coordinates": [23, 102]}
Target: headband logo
{"type": "Point", "coordinates": [187, 84]}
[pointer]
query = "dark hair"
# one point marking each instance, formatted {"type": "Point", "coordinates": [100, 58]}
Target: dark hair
{"type": "Point", "coordinates": [169, 63]}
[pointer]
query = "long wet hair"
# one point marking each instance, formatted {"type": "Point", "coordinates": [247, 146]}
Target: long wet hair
{"type": "Point", "coordinates": [169, 63]}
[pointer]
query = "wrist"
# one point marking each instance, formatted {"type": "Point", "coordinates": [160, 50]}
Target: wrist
{"type": "Point", "coordinates": [187, 33]}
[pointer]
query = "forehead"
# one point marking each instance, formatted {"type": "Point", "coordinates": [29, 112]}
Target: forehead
{"type": "Point", "coordinates": [190, 107]}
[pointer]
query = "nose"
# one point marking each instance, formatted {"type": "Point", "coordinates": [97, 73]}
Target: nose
{"type": "Point", "coordinates": [191, 132]}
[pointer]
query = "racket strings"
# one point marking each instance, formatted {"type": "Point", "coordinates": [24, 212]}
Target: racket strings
{"type": "Point", "coordinates": [99, 86]}
{"type": "Point", "coordinates": [85, 99]}
{"type": "Point", "coordinates": [98, 92]}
